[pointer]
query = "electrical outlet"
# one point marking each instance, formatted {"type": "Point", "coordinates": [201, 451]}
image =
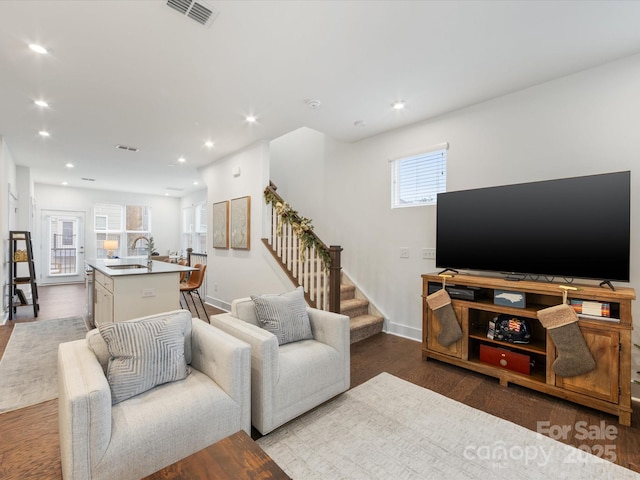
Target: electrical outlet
{"type": "Point", "coordinates": [215, 287]}
{"type": "Point", "coordinates": [148, 292]}
{"type": "Point", "coordinates": [404, 252]}
{"type": "Point", "coordinates": [428, 253]}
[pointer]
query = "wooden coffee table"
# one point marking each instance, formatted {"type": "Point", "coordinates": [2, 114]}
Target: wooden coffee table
{"type": "Point", "coordinates": [235, 458]}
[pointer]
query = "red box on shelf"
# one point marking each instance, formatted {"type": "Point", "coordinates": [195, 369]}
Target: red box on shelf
{"type": "Point", "coordinates": [518, 362]}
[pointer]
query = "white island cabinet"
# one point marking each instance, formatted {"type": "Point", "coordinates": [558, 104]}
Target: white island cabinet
{"type": "Point", "coordinates": [126, 289]}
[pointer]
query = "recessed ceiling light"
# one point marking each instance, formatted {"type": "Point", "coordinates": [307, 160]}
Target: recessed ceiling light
{"type": "Point", "coordinates": [195, 183]}
{"type": "Point", "coordinates": [41, 103]}
{"type": "Point", "coordinates": [398, 105]}
{"type": "Point", "coordinates": [208, 144]}
{"type": "Point", "coordinates": [44, 133]}
{"type": "Point", "coordinates": [69, 165]}
{"type": "Point", "coordinates": [182, 160]}
{"type": "Point", "coordinates": [65, 183]}
{"type": "Point", "coordinates": [251, 119]}
{"type": "Point", "coordinates": [38, 48]}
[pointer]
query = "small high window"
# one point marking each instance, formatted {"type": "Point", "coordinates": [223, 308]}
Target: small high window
{"type": "Point", "coordinates": [417, 180]}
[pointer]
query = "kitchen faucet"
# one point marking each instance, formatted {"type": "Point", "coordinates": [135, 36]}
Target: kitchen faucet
{"type": "Point", "coordinates": [133, 245]}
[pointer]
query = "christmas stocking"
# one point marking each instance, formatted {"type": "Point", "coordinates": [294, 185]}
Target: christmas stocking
{"type": "Point", "coordinates": [450, 331]}
{"type": "Point", "coordinates": [574, 357]}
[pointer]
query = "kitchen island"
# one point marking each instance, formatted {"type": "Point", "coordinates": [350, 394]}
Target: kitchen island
{"type": "Point", "coordinates": [127, 288]}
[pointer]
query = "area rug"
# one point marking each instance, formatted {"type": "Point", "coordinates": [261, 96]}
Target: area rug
{"type": "Point", "coordinates": [388, 428]}
{"type": "Point", "coordinates": [28, 368]}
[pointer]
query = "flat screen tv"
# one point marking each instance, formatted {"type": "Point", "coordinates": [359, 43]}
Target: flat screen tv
{"type": "Point", "coordinates": [571, 227]}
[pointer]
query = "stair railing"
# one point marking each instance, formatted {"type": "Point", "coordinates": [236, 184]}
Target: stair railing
{"type": "Point", "coordinates": [305, 259]}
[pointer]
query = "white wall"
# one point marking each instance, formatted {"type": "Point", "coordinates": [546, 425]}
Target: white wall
{"type": "Point", "coordinates": [239, 273]}
{"type": "Point", "coordinates": [582, 124]}
{"type": "Point", "coordinates": [294, 156]}
{"type": "Point", "coordinates": [193, 198]}
{"type": "Point", "coordinates": [26, 201]}
{"type": "Point", "coordinates": [165, 212]}
{"type": "Point", "coordinates": [8, 196]}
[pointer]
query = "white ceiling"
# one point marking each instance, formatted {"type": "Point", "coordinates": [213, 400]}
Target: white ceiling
{"type": "Point", "coordinates": [141, 74]}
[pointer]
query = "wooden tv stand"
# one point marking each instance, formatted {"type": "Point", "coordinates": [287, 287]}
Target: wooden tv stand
{"type": "Point", "coordinates": [607, 388]}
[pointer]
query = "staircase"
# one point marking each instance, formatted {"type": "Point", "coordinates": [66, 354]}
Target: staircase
{"type": "Point", "coordinates": [308, 262]}
{"type": "Point", "coordinates": [363, 323]}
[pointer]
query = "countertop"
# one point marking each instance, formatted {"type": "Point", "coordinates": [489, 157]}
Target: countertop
{"type": "Point", "coordinates": [105, 266]}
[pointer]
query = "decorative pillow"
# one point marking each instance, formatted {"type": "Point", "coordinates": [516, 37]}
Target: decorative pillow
{"type": "Point", "coordinates": [144, 354]}
{"type": "Point", "coordinates": [284, 315]}
{"type": "Point", "coordinates": [99, 346]}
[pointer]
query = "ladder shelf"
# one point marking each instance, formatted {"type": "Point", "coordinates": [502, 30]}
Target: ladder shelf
{"type": "Point", "coordinates": [21, 251]}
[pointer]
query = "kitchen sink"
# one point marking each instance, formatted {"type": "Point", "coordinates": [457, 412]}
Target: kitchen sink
{"type": "Point", "coordinates": [126, 267]}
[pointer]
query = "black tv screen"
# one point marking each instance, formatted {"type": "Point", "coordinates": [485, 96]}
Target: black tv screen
{"type": "Point", "coordinates": [572, 227]}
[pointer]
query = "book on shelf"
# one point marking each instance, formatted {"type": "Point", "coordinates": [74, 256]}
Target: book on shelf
{"type": "Point", "coordinates": [592, 308]}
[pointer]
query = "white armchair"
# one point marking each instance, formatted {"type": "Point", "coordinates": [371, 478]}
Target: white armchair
{"type": "Point", "coordinates": [288, 380]}
{"type": "Point", "coordinates": [144, 433]}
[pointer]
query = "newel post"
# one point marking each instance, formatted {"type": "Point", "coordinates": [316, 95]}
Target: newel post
{"type": "Point", "coordinates": [334, 278]}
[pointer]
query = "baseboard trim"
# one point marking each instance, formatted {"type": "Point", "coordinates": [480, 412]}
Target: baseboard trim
{"type": "Point", "coordinates": [405, 331]}
{"type": "Point", "coordinates": [635, 391]}
{"type": "Point", "coordinates": [218, 303]}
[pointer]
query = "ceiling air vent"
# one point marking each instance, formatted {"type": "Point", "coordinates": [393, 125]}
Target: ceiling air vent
{"type": "Point", "coordinates": [129, 149]}
{"type": "Point", "coordinates": [196, 10]}
{"type": "Point", "coordinates": [175, 189]}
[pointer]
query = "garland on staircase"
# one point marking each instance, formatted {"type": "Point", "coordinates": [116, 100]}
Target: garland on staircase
{"type": "Point", "coordinates": [300, 225]}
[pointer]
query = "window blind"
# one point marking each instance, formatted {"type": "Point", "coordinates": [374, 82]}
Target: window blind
{"type": "Point", "coordinates": [417, 180]}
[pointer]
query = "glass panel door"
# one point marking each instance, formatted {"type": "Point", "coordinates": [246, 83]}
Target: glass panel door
{"type": "Point", "coordinates": [63, 247]}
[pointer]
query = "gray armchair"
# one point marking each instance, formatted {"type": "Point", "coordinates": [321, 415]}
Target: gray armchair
{"type": "Point", "coordinates": [288, 380]}
{"type": "Point", "coordinates": [144, 433]}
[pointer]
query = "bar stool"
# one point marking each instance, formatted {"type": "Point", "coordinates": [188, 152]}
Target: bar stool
{"type": "Point", "coordinates": [183, 275]}
{"type": "Point", "coordinates": [192, 286]}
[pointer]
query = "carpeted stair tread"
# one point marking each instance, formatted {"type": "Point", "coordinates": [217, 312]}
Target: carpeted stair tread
{"type": "Point", "coordinates": [347, 291]}
{"type": "Point", "coordinates": [364, 326]}
{"type": "Point", "coordinates": [354, 307]}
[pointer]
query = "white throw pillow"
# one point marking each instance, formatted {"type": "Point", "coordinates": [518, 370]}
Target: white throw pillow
{"type": "Point", "coordinates": [284, 315]}
{"type": "Point", "coordinates": [144, 354]}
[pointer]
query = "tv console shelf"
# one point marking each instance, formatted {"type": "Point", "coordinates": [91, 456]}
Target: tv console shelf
{"type": "Point", "coordinates": [607, 388]}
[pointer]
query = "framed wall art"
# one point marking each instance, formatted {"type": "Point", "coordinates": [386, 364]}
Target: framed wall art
{"type": "Point", "coordinates": [241, 223]}
{"type": "Point", "coordinates": [221, 224]}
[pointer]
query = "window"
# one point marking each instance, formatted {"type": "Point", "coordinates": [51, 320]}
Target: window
{"type": "Point", "coordinates": [200, 241]}
{"type": "Point", "coordinates": [417, 180]}
{"type": "Point", "coordinates": [122, 223]}
{"type": "Point", "coordinates": [187, 228]}
{"type": "Point", "coordinates": [68, 234]}
{"type": "Point", "coordinates": [194, 227]}
{"type": "Point", "coordinates": [101, 222]}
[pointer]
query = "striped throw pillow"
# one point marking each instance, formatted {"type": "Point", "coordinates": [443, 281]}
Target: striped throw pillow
{"type": "Point", "coordinates": [284, 315]}
{"type": "Point", "coordinates": [144, 354]}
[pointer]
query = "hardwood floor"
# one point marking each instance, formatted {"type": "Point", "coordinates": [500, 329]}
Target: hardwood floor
{"type": "Point", "coordinates": [29, 445]}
